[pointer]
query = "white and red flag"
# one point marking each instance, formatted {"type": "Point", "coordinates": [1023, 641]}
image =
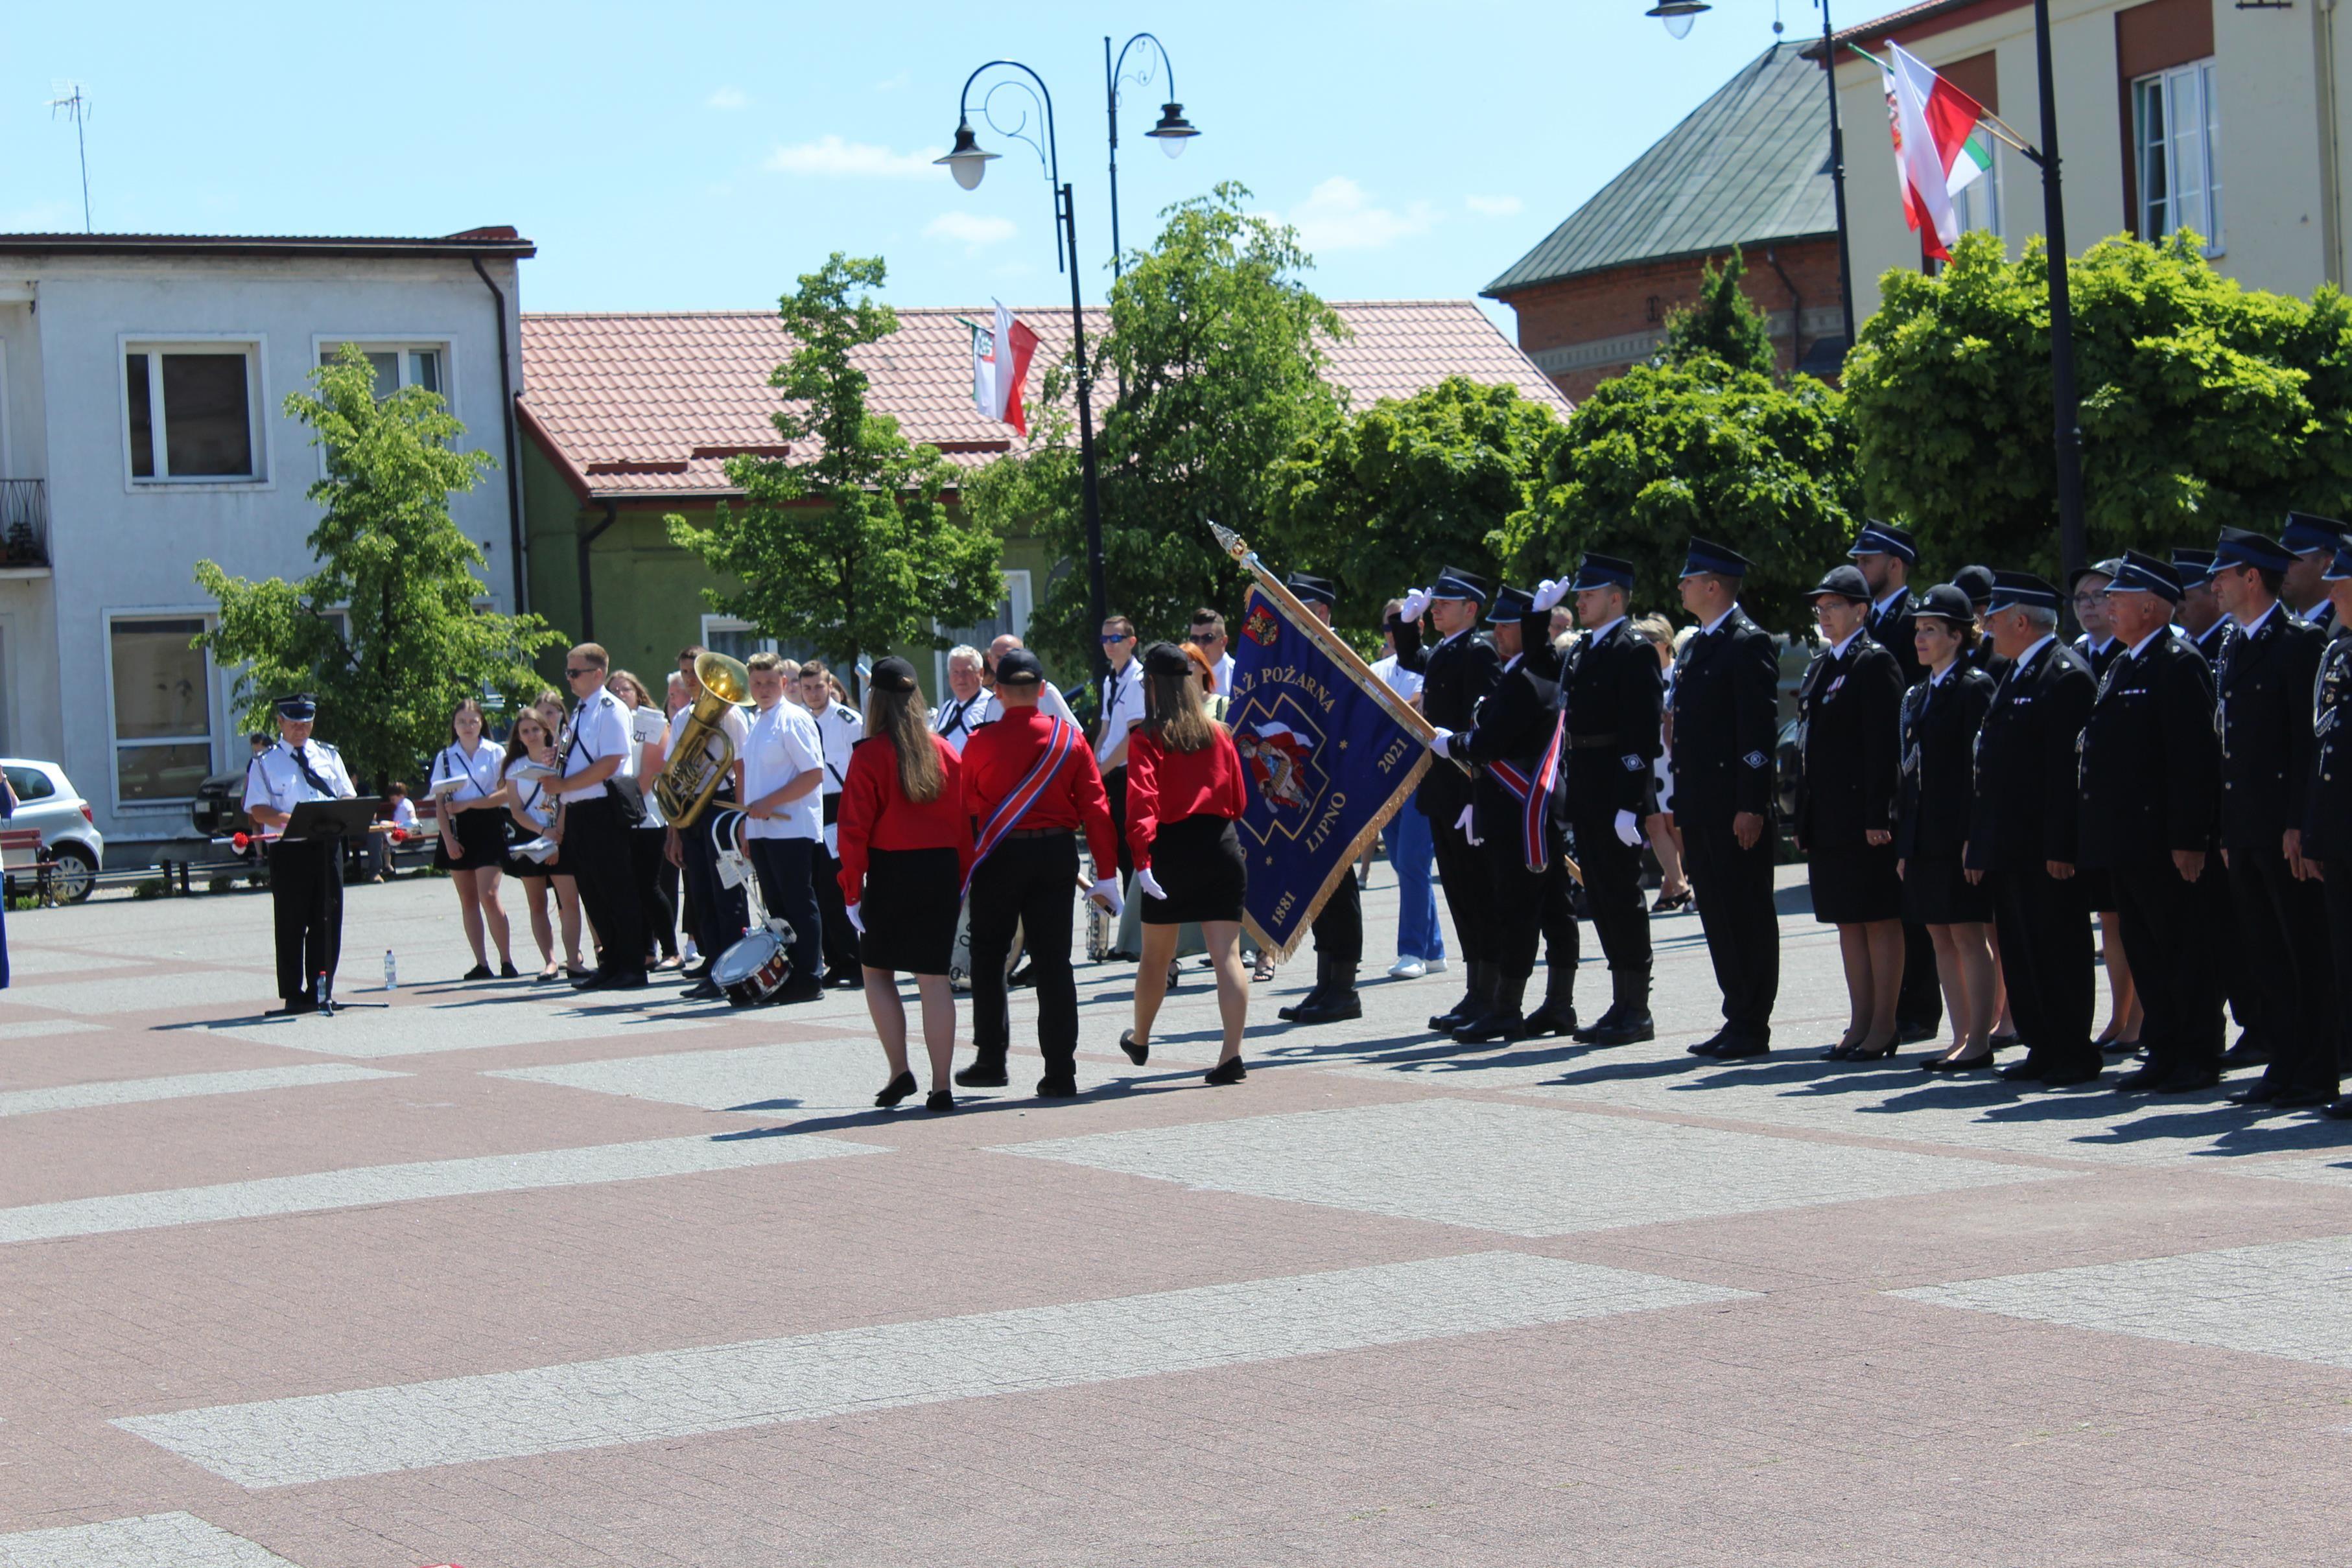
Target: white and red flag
{"type": "Point", "coordinates": [1940, 150]}
{"type": "Point", "coordinates": [1000, 365]}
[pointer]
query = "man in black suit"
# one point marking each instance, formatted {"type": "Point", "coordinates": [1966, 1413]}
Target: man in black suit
{"type": "Point", "coordinates": [1726, 710]}
{"type": "Point", "coordinates": [1886, 555]}
{"type": "Point", "coordinates": [2264, 688]}
{"type": "Point", "coordinates": [2022, 845]}
{"type": "Point", "coordinates": [1339, 926]}
{"type": "Point", "coordinates": [2151, 776]}
{"type": "Point", "coordinates": [1613, 694]}
{"type": "Point", "coordinates": [2327, 809]}
{"type": "Point", "coordinates": [2207, 629]}
{"type": "Point", "coordinates": [1455, 674]}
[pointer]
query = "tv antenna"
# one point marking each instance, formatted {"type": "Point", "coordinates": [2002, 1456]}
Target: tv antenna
{"type": "Point", "coordinates": [75, 102]}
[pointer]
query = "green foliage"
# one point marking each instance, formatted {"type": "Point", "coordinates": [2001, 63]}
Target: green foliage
{"type": "Point", "coordinates": [1378, 500]}
{"type": "Point", "coordinates": [879, 554]}
{"type": "Point", "coordinates": [2204, 405]}
{"type": "Point", "coordinates": [1663, 452]}
{"type": "Point", "coordinates": [1214, 362]}
{"type": "Point", "coordinates": [385, 632]}
{"type": "Point", "coordinates": [1725, 324]}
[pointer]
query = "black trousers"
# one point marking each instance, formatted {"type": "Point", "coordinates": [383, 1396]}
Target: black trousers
{"type": "Point", "coordinates": [1462, 871]}
{"type": "Point", "coordinates": [1612, 893]}
{"type": "Point", "coordinates": [1028, 882]}
{"type": "Point", "coordinates": [2336, 893]}
{"type": "Point", "coordinates": [1340, 928]}
{"type": "Point", "coordinates": [646, 863]}
{"type": "Point", "coordinates": [681, 917]}
{"type": "Point", "coordinates": [1736, 911]}
{"type": "Point", "coordinates": [2172, 965]}
{"type": "Point", "coordinates": [2284, 924]}
{"type": "Point", "coordinates": [720, 914]}
{"type": "Point", "coordinates": [597, 854]}
{"type": "Point", "coordinates": [1919, 1002]}
{"type": "Point", "coordinates": [840, 936]}
{"type": "Point", "coordinates": [306, 907]}
{"type": "Point", "coordinates": [785, 868]}
{"type": "Point", "coordinates": [1532, 909]}
{"type": "Point", "coordinates": [1115, 790]}
{"type": "Point", "coordinates": [2216, 912]}
{"type": "Point", "coordinates": [2045, 961]}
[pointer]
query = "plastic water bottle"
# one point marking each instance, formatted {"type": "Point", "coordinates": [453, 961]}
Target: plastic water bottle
{"type": "Point", "coordinates": [391, 972]}
{"type": "Point", "coordinates": [319, 990]}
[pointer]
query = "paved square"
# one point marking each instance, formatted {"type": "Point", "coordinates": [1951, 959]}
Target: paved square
{"type": "Point", "coordinates": [157, 1540]}
{"type": "Point", "coordinates": [779, 1083]}
{"type": "Point", "coordinates": [130, 1091]}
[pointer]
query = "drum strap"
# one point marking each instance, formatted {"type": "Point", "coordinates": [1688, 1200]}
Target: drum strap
{"type": "Point", "coordinates": [1533, 794]}
{"type": "Point", "coordinates": [1025, 795]}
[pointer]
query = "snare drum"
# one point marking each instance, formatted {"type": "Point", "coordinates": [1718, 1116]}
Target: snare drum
{"type": "Point", "coordinates": [754, 969]}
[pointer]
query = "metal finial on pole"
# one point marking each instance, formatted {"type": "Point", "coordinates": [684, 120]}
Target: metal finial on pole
{"type": "Point", "coordinates": [76, 102]}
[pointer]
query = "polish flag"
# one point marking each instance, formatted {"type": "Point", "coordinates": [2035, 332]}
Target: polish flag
{"type": "Point", "coordinates": [1937, 152]}
{"type": "Point", "coordinates": [1000, 365]}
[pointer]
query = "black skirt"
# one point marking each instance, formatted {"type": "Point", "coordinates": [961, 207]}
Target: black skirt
{"type": "Point", "coordinates": [1936, 892]}
{"type": "Point", "coordinates": [909, 907]}
{"type": "Point", "coordinates": [1853, 884]}
{"type": "Point", "coordinates": [1198, 861]}
{"type": "Point", "coordinates": [481, 833]}
{"type": "Point", "coordinates": [524, 866]}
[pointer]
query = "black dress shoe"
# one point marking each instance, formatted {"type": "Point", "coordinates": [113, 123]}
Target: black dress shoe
{"type": "Point", "coordinates": [2118, 1047]}
{"type": "Point", "coordinates": [1137, 1054]}
{"type": "Point", "coordinates": [2007, 1041]}
{"type": "Point", "coordinates": [2305, 1099]}
{"type": "Point", "coordinates": [507, 971]}
{"type": "Point", "coordinates": [1549, 1020]}
{"type": "Point", "coordinates": [593, 980]}
{"type": "Point", "coordinates": [845, 981]}
{"type": "Point", "coordinates": [1059, 1086]}
{"type": "Point", "coordinates": [2189, 1080]}
{"type": "Point", "coordinates": [1912, 1033]}
{"type": "Point", "coordinates": [1454, 1017]}
{"type": "Point", "coordinates": [2068, 1077]}
{"type": "Point", "coordinates": [1337, 1009]}
{"type": "Point", "coordinates": [982, 1075]}
{"type": "Point", "coordinates": [938, 1100]}
{"type": "Point", "coordinates": [1738, 1045]}
{"type": "Point", "coordinates": [292, 1005]}
{"type": "Point", "coordinates": [2255, 1093]}
{"type": "Point", "coordinates": [478, 972]}
{"type": "Point", "coordinates": [1624, 1028]}
{"type": "Point", "coordinates": [702, 991]}
{"type": "Point", "coordinates": [898, 1089]}
{"type": "Point", "coordinates": [2141, 1081]}
{"type": "Point", "coordinates": [1710, 1046]}
{"type": "Point", "coordinates": [1226, 1073]}
{"type": "Point", "coordinates": [2026, 1072]}
{"type": "Point", "coordinates": [2338, 1109]}
{"type": "Point", "coordinates": [1492, 1026]}
{"type": "Point", "coordinates": [2248, 1053]}
{"type": "Point", "coordinates": [636, 980]}
{"type": "Point", "coordinates": [1959, 1064]}
{"type": "Point", "coordinates": [801, 991]}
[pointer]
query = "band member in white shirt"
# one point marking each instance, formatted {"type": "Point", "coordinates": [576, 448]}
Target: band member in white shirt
{"type": "Point", "coordinates": [784, 768]}
{"type": "Point", "coordinates": [1121, 710]}
{"type": "Point", "coordinates": [649, 739]}
{"type": "Point", "coordinates": [306, 877]}
{"type": "Point", "coordinates": [965, 708]}
{"type": "Point", "coordinates": [593, 827]}
{"type": "Point", "coordinates": [717, 914]}
{"type": "Point", "coordinates": [838, 727]}
{"type": "Point", "coordinates": [473, 822]}
{"type": "Point", "coordinates": [530, 802]}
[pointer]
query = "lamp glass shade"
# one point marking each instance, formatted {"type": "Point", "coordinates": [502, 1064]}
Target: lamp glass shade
{"type": "Point", "coordinates": [1678, 15]}
{"type": "Point", "coordinates": [1173, 130]}
{"type": "Point", "coordinates": [966, 161]}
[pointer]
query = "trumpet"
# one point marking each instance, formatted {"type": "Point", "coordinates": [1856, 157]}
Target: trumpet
{"type": "Point", "coordinates": [699, 762]}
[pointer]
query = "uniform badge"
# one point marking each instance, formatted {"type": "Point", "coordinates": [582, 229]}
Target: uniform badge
{"type": "Point", "coordinates": [1754, 759]}
{"type": "Point", "coordinates": [1633, 764]}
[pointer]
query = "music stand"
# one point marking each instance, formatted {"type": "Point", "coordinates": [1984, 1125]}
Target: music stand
{"type": "Point", "coordinates": [333, 823]}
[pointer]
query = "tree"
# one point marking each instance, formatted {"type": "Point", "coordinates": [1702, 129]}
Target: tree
{"type": "Point", "coordinates": [2204, 405]}
{"type": "Point", "coordinates": [1376, 500]}
{"type": "Point", "coordinates": [852, 547]}
{"type": "Point", "coordinates": [1725, 323]}
{"type": "Point", "coordinates": [386, 631]}
{"type": "Point", "coordinates": [1663, 452]}
{"type": "Point", "coordinates": [1214, 357]}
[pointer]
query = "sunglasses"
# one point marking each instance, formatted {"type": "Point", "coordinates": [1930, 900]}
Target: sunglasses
{"type": "Point", "coordinates": [572, 674]}
{"type": "Point", "coordinates": [1109, 640]}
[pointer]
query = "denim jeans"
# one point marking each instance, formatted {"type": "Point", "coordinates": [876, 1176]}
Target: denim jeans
{"type": "Point", "coordinates": [1419, 934]}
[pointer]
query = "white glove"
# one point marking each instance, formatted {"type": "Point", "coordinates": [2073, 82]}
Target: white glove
{"type": "Point", "coordinates": [1443, 742]}
{"type": "Point", "coordinates": [1464, 823]}
{"type": "Point", "coordinates": [1629, 831]}
{"type": "Point", "coordinates": [857, 921]}
{"type": "Point", "coordinates": [1106, 893]}
{"type": "Point", "coordinates": [1150, 884]}
{"type": "Point", "coordinates": [1549, 593]}
{"type": "Point", "coordinates": [1415, 606]}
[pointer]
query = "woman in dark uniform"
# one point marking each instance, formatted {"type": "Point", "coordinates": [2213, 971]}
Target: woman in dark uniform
{"type": "Point", "coordinates": [1184, 792]}
{"type": "Point", "coordinates": [1941, 715]}
{"type": "Point", "coordinates": [1851, 718]}
{"type": "Point", "coordinates": [904, 844]}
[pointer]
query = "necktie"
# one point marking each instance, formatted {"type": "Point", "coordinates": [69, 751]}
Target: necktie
{"type": "Point", "coordinates": [302, 762]}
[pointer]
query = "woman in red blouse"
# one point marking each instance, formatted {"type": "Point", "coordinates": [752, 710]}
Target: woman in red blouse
{"type": "Point", "coordinates": [905, 842]}
{"type": "Point", "coordinates": [1184, 794]}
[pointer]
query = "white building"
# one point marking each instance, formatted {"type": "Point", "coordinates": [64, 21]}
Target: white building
{"type": "Point", "coordinates": [142, 383]}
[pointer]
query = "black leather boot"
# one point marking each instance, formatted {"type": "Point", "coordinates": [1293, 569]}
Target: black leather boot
{"type": "Point", "coordinates": [1474, 996]}
{"type": "Point", "coordinates": [1557, 1014]}
{"type": "Point", "coordinates": [1334, 998]}
{"type": "Point", "coordinates": [1312, 999]}
{"type": "Point", "coordinates": [1628, 1018]}
{"type": "Point", "coordinates": [1502, 1021]}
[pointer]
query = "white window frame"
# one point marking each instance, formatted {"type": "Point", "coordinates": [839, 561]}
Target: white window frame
{"type": "Point", "coordinates": [2207, 139]}
{"type": "Point", "coordinates": [1020, 593]}
{"type": "Point", "coordinates": [716, 624]}
{"type": "Point", "coordinates": [1980, 206]}
{"type": "Point", "coordinates": [442, 343]}
{"type": "Point", "coordinates": [256, 392]}
{"type": "Point", "coordinates": [214, 705]}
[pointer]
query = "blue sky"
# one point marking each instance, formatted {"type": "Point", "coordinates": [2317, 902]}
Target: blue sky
{"type": "Point", "coordinates": [686, 156]}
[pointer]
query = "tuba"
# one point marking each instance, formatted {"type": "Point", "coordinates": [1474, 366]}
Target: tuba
{"type": "Point", "coordinates": [698, 763]}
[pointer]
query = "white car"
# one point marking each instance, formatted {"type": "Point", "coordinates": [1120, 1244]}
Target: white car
{"type": "Point", "coordinates": [46, 800]}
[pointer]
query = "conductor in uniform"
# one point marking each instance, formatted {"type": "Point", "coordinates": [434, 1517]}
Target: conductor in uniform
{"type": "Point", "coordinates": [1726, 711]}
{"type": "Point", "coordinates": [306, 877]}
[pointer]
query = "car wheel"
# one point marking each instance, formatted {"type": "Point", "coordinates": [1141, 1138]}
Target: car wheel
{"type": "Point", "coordinates": [76, 873]}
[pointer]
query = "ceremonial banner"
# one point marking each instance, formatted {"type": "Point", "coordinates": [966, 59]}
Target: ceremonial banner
{"type": "Point", "coordinates": [1329, 762]}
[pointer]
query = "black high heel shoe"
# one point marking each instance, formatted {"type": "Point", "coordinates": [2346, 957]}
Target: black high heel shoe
{"type": "Point", "coordinates": [1137, 1054]}
{"type": "Point", "coordinates": [938, 1100]}
{"type": "Point", "coordinates": [898, 1089]}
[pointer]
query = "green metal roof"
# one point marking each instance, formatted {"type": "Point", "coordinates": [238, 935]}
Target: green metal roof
{"type": "Point", "coordinates": [1747, 167]}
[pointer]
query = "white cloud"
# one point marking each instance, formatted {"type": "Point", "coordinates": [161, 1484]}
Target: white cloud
{"type": "Point", "coordinates": [973, 231]}
{"type": "Point", "coordinates": [1337, 216]}
{"type": "Point", "coordinates": [729, 97]}
{"type": "Point", "coordinates": [1494, 206]}
{"type": "Point", "coordinates": [830, 157]}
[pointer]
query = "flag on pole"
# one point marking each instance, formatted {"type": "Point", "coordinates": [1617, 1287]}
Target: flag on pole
{"type": "Point", "coordinates": [1000, 365]}
{"type": "Point", "coordinates": [1939, 147]}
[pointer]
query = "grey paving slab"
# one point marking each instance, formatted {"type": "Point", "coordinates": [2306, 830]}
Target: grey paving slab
{"type": "Point", "coordinates": [150, 1540]}
{"type": "Point", "coordinates": [669, 1395]}
{"type": "Point", "coordinates": [35, 1029]}
{"type": "Point", "coordinates": [783, 1083]}
{"type": "Point", "coordinates": [181, 1086]}
{"type": "Point", "coordinates": [41, 961]}
{"type": "Point", "coordinates": [410, 1183]}
{"type": "Point", "coordinates": [415, 1028]}
{"type": "Point", "coordinates": [187, 990]}
{"type": "Point", "coordinates": [2290, 1299]}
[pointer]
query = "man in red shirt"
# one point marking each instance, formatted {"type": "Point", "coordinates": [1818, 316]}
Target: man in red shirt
{"type": "Point", "coordinates": [1030, 808]}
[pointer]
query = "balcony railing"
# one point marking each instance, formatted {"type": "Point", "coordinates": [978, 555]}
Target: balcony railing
{"type": "Point", "coordinates": [24, 522]}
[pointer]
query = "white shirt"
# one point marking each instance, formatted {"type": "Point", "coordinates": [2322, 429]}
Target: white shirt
{"type": "Point", "coordinates": [2027, 657]}
{"type": "Point", "coordinates": [2144, 641]}
{"type": "Point", "coordinates": [600, 728]}
{"type": "Point", "coordinates": [1406, 683]}
{"type": "Point", "coordinates": [784, 745]}
{"type": "Point", "coordinates": [1720, 619]}
{"type": "Point", "coordinates": [954, 719]}
{"type": "Point", "coordinates": [1122, 711]}
{"type": "Point", "coordinates": [530, 795]}
{"type": "Point", "coordinates": [1838, 652]}
{"type": "Point", "coordinates": [645, 727]}
{"type": "Point", "coordinates": [1050, 702]}
{"type": "Point", "coordinates": [1600, 632]}
{"type": "Point", "coordinates": [275, 779]}
{"type": "Point", "coordinates": [2250, 628]}
{"type": "Point", "coordinates": [1886, 603]}
{"type": "Point", "coordinates": [404, 814]}
{"type": "Point", "coordinates": [731, 724]}
{"type": "Point", "coordinates": [838, 728]}
{"type": "Point", "coordinates": [481, 772]}
{"type": "Point", "coordinates": [1224, 675]}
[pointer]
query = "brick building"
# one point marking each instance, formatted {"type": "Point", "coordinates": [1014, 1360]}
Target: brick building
{"type": "Point", "coordinates": [1749, 167]}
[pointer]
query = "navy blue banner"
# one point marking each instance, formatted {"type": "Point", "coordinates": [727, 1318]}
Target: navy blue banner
{"type": "Point", "coordinates": [1328, 765]}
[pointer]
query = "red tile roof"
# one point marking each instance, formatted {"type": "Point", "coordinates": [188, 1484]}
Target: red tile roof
{"type": "Point", "coordinates": [651, 405]}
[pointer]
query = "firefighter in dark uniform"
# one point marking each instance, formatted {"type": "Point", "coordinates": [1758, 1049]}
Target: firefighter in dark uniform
{"type": "Point", "coordinates": [2150, 775]}
{"type": "Point", "coordinates": [1613, 695]}
{"type": "Point", "coordinates": [2327, 810]}
{"type": "Point", "coordinates": [1886, 555]}
{"type": "Point", "coordinates": [306, 877]}
{"type": "Point", "coordinates": [2204, 628]}
{"type": "Point", "coordinates": [1725, 716]}
{"type": "Point", "coordinates": [1514, 740]}
{"type": "Point", "coordinates": [1340, 928]}
{"type": "Point", "coordinates": [2315, 541]}
{"type": "Point", "coordinates": [1460, 669]}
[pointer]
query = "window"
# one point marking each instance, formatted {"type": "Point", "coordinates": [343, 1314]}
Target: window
{"type": "Point", "coordinates": [162, 710]}
{"type": "Point", "coordinates": [2175, 137]}
{"type": "Point", "coordinates": [31, 784]}
{"type": "Point", "coordinates": [740, 640]}
{"type": "Point", "coordinates": [190, 411]}
{"type": "Point", "coordinates": [398, 366]}
{"type": "Point", "coordinates": [1978, 206]}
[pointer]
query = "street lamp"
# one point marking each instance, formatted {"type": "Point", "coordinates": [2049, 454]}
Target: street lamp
{"type": "Point", "coordinates": [969, 163]}
{"type": "Point", "coordinates": [1172, 132]}
{"type": "Point", "coordinates": [1678, 15]}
